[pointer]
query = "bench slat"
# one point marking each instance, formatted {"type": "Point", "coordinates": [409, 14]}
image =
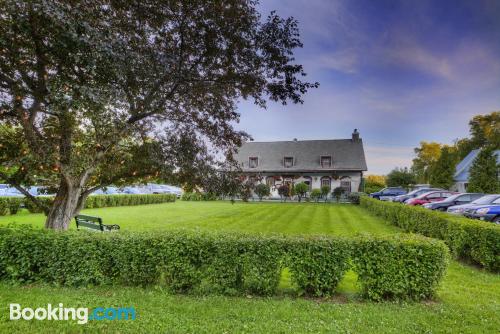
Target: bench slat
{"type": "Point", "coordinates": [94, 223]}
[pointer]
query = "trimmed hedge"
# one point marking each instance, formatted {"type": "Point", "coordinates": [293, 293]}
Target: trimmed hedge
{"type": "Point", "coordinates": [13, 204]}
{"type": "Point", "coordinates": [405, 267]}
{"type": "Point", "coordinates": [189, 196]}
{"type": "Point", "coordinates": [468, 239]}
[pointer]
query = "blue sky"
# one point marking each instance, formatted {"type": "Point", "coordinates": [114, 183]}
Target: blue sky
{"type": "Point", "coordinates": [399, 71]}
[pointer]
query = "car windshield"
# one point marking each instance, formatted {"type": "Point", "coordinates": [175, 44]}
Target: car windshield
{"type": "Point", "coordinates": [452, 198]}
{"type": "Point", "coordinates": [486, 199]}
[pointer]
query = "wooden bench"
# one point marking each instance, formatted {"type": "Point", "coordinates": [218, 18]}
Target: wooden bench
{"type": "Point", "coordinates": [94, 223]}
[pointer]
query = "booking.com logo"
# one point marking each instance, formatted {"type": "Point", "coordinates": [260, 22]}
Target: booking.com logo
{"type": "Point", "coordinates": [82, 314]}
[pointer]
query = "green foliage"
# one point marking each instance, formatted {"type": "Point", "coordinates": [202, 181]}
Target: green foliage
{"type": "Point", "coordinates": [317, 264]}
{"type": "Point", "coordinates": [200, 263]}
{"type": "Point", "coordinates": [400, 177]}
{"type": "Point", "coordinates": [354, 197]}
{"type": "Point", "coordinates": [472, 240]}
{"type": "Point", "coordinates": [374, 183]}
{"type": "Point", "coordinates": [4, 206]}
{"type": "Point", "coordinates": [284, 191]}
{"type": "Point", "coordinates": [95, 201]}
{"type": "Point", "coordinates": [426, 155]}
{"type": "Point", "coordinates": [442, 171]}
{"type": "Point", "coordinates": [316, 194]}
{"type": "Point", "coordinates": [325, 190]}
{"type": "Point", "coordinates": [262, 190]}
{"type": "Point", "coordinates": [300, 190]}
{"type": "Point", "coordinates": [400, 267]}
{"type": "Point", "coordinates": [195, 196]}
{"type": "Point", "coordinates": [337, 193]}
{"type": "Point", "coordinates": [484, 173]}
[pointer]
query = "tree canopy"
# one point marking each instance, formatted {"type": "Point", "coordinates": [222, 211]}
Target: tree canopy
{"type": "Point", "coordinates": [484, 173]}
{"type": "Point", "coordinates": [98, 93]}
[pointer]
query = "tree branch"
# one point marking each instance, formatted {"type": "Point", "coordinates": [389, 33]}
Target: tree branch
{"type": "Point", "coordinates": [25, 192]}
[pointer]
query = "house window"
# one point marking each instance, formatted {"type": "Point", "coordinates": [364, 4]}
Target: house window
{"type": "Point", "coordinates": [253, 162]}
{"type": "Point", "coordinates": [288, 162]}
{"type": "Point", "coordinates": [326, 161]}
{"type": "Point", "coordinates": [325, 181]}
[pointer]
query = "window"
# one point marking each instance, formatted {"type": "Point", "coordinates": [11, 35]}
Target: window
{"type": "Point", "coordinates": [434, 195]}
{"type": "Point", "coordinates": [253, 162]}
{"type": "Point", "coordinates": [288, 162]}
{"type": "Point", "coordinates": [325, 181]}
{"type": "Point", "coordinates": [345, 183]}
{"type": "Point", "coordinates": [326, 161]}
{"type": "Point", "coordinates": [464, 198]}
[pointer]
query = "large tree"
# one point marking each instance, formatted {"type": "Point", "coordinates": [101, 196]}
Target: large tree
{"type": "Point", "coordinates": [444, 168]}
{"type": "Point", "coordinates": [485, 173]}
{"type": "Point", "coordinates": [103, 92]}
{"type": "Point", "coordinates": [400, 177]}
{"type": "Point", "coordinates": [426, 155]}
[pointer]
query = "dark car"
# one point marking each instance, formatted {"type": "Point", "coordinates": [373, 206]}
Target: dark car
{"type": "Point", "coordinates": [485, 200]}
{"type": "Point", "coordinates": [413, 194]}
{"type": "Point", "coordinates": [490, 213]}
{"type": "Point", "coordinates": [453, 200]}
{"type": "Point", "coordinates": [387, 193]}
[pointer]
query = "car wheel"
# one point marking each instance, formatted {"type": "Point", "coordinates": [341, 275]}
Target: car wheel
{"type": "Point", "coordinates": [496, 220]}
{"type": "Point", "coordinates": [442, 209]}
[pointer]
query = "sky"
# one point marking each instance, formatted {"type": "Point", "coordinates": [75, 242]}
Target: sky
{"type": "Point", "coordinates": [399, 71]}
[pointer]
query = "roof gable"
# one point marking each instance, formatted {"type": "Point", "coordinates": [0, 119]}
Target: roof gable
{"type": "Point", "coordinates": [346, 154]}
{"type": "Point", "coordinates": [463, 167]}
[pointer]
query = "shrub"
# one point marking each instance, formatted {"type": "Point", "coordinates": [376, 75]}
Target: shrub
{"type": "Point", "coordinates": [402, 267]}
{"type": "Point", "coordinates": [354, 197]}
{"type": "Point", "coordinates": [300, 190]}
{"type": "Point", "coordinates": [325, 190]}
{"type": "Point", "coordinates": [4, 206]}
{"type": "Point", "coordinates": [316, 194]}
{"type": "Point", "coordinates": [189, 196]}
{"type": "Point", "coordinates": [198, 262]}
{"type": "Point", "coordinates": [284, 191]}
{"type": "Point", "coordinates": [14, 205]}
{"type": "Point", "coordinates": [34, 208]}
{"type": "Point", "coordinates": [262, 190]}
{"type": "Point", "coordinates": [337, 192]}
{"type": "Point", "coordinates": [317, 264]}
{"type": "Point", "coordinates": [468, 239]}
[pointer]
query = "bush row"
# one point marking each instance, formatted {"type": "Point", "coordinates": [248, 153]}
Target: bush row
{"type": "Point", "coordinates": [400, 267]}
{"type": "Point", "coordinates": [468, 239]}
{"type": "Point", "coordinates": [13, 204]}
{"type": "Point", "coordinates": [189, 196]}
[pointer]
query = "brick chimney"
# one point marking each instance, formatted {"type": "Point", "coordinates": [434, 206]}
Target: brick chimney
{"type": "Point", "coordinates": [355, 135]}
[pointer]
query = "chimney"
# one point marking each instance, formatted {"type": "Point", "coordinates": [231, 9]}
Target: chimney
{"type": "Point", "coordinates": [355, 135]}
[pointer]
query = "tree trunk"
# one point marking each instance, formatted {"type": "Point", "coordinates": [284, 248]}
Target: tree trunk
{"type": "Point", "coordinates": [66, 206]}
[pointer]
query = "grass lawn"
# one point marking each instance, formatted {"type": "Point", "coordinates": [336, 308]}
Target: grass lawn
{"type": "Point", "coordinates": [467, 301]}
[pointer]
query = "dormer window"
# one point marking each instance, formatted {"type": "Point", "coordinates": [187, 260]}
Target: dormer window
{"type": "Point", "coordinates": [326, 161]}
{"type": "Point", "coordinates": [253, 162]}
{"type": "Point", "coordinates": [288, 162]}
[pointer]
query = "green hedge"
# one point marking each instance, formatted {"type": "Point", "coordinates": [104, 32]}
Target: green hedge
{"type": "Point", "coordinates": [13, 204]}
{"type": "Point", "coordinates": [468, 239]}
{"type": "Point", "coordinates": [188, 196]}
{"type": "Point", "coordinates": [195, 262]}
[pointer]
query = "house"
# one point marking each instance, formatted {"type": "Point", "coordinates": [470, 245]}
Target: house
{"type": "Point", "coordinates": [331, 162]}
{"type": "Point", "coordinates": [461, 176]}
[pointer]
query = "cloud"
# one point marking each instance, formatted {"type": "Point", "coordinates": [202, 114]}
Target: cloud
{"type": "Point", "coordinates": [381, 159]}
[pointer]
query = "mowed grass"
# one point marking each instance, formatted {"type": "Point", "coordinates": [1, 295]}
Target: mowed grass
{"type": "Point", "coordinates": [287, 218]}
{"type": "Point", "coordinates": [468, 300]}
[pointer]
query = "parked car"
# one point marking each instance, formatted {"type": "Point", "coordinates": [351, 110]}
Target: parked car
{"type": "Point", "coordinates": [485, 200]}
{"type": "Point", "coordinates": [453, 200]}
{"type": "Point", "coordinates": [490, 213]}
{"type": "Point", "coordinates": [431, 196]}
{"type": "Point", "coordinates": [131, 191]}
{"type": "Point", "coordinates": [12, 192]}
{"type": "Point", "coordinates": [106, 191]}
{"type": "Point", "coordinates": [388, 193]}
{"type": "Point", "coordinates": [413, 194]}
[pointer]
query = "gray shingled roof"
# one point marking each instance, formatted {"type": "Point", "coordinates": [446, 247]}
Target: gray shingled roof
{"type": "Point", "coordinates": [346, 155]}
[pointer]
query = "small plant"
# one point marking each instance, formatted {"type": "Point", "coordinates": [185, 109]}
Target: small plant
{"type": "Point", "coordinates": [325, 190]}
{"type": "Point", "coordinates": [337, 193]}
{"type": "Point", "coordinates": [262, 190]}
{"type": "Point", "coordinates": [284, 191]}
{"type": "Point", "coordinates": [301, 190]}
{"type": "Point", "coordinates": [316, 195]}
